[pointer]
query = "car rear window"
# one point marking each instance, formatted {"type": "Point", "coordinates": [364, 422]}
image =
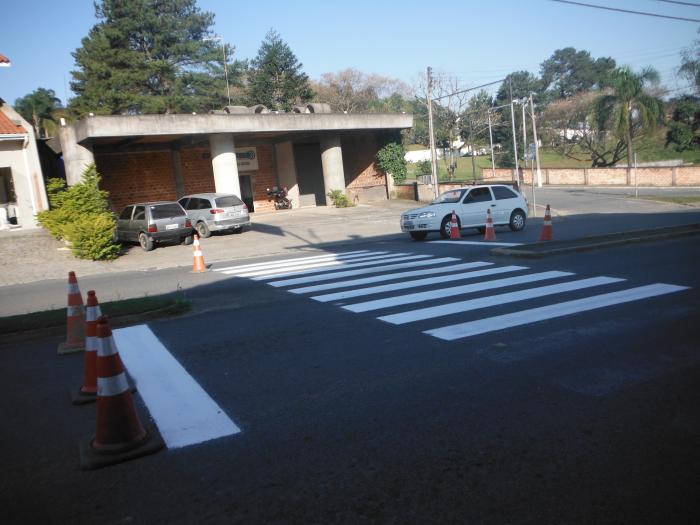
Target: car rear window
{"type": "Point", "coordinates": [501, 192]}
{"type": "Point", "coordinates": [228, 201]}
{"type": "Point", "coordinates": [163, 211]}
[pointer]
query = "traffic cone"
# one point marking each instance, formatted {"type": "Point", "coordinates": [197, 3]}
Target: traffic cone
{"type": "Point", "coordinates": [454, 226]}
{"type": "Point", "coordinates": [75, 320]}
{"type": "Point", "coordinates": [546, 234]}
{"type": "Point", "coordinates": [198, 266]}
{"type": "Point", "coordinates": [87, 393]}
{"type": "Point", "coordinates": [120, 435]}
{"type": "Point", "coordinates": [490, 234]}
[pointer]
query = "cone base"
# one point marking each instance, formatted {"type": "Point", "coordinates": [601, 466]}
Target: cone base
{"type": "Point", "coordinates": [205, 270]}
{"type": "Point", "coordinates": [70, 348]}
{"type": "Point", "coordinates": [92, 458]}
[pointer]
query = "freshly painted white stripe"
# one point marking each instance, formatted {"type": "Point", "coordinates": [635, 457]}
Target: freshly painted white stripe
{"type": "Point", "coordinates": [499, 322]}
{"type": "Point", "coordinates": [90, 343]}
{"type": "Point", "coordinates": [73, 288]}
{"type": "Point", "coordinates": [479, 243]}
{"type": "Point", "coordinates": [393, 276]}
{"type": "Point", "coordinates": [450, 292]}
{"type": "Point", "coordinates": [183, 411]}
{"type": "Point", "coordinates": [362, 271]}
{"type": "Point", "coordinates": [309, 268]}
{"type": "Point", "coordinates": [112, 386]}
{"type": "Point", "coordinates": [73, 311]}
{"type": "Point", "coordinates": [415, 283]}
{"type": "Point", "coordinates": [297, 260]}
{"type": "Point", "coordinates": [92, 313]}
{"type": "Point", "coordinates": [389, 259]}
{"type": "Point", "coordinates": [494, 300]}
{"type": "Point", "coordinates": [105, 346]}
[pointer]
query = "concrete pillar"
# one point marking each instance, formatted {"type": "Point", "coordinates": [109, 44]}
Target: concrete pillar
{"type": "Point", "coordinates": [332, 163]}
{"type": "Point", "coordinates": [223, 161]}
{"type": "Point", "coordinates": [75, 156]}
{"type": "Point", "coordinates": [287, 171]}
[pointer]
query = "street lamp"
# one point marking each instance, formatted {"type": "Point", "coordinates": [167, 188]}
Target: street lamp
{"type": "Point", "coordinates": [223, 49]}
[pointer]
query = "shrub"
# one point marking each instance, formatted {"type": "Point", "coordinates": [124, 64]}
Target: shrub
{"type": "Point", "coordinates": [340, 200]}
{"type": "Point", "coordinates": [80, 214]}
{"type": "Point", "coordinates": [91, 237]}
{"type": "Point", "coordinates": [392, 159]}
{"type": "Point", "coordinates": [424, 167]}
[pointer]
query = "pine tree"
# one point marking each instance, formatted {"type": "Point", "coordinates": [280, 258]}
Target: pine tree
{"type": "Point", "coordinates": [276, 79]}
{"type": "Point", "coordinates": [149, 56]}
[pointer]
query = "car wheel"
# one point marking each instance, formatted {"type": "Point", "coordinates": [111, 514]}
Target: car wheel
{"type": "Point", "coordinates": [146, 242]}
{"type": "Point", "coordinates": [188, 240]}
{"type": "Point", "coordinates": [203, 230]}
{"type": "Point", "coordinates": [446, 228]}
{"type": "Point", "coordinates": [517, 220]}
{"type": "Point", "coordinates": [481, 229]}
{"type": "Point", "coordinates": [238, 230]}
{"type": "Point", "coordinates": [418, 236]}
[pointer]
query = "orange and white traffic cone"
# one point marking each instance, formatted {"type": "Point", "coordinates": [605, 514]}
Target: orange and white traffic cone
{"type": "Point", "coordinates": [198, 266]}
{"type": "Point", "coordinates": [75, 319]}
{"type": "Point", "coordinates": [454, 226]}
{"type": "Point", "coordinates": [546, 234]}
{"type": "Point", "coordinates": [120, 435]}
{"type": "Point", "coordinates": [87, 393]}
{"type": "Point", "coordinates": [490, 234]}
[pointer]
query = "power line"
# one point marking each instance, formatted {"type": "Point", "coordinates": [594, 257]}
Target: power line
{"type": "Point", "coordinates": [627, 11]}
{"type": "Point", "coordinates": [691, 4]}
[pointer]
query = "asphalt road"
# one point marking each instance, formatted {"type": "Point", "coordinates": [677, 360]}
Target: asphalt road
{"type": "Point", "coordinates": [345, 418]}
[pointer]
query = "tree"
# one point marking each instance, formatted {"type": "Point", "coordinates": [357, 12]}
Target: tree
{"type": "Point", "coordinates": [684, 128]}
{"type": "Point", "coordinates": [39, 108]}
{"type": "Point", "coordinates": [149, 56]}
{"type": "Point", "coordinates": [625, 109]}
{"type": "Point", "coordinates": [352, 91]}
{"type": "Point", "coordinates": [276, 79]}
{"type": "Point", "coordinates": [569, 72]}
{"type": "Point", "coordinates": [690, 65]}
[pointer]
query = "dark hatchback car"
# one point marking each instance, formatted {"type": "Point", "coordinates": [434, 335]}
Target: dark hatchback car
{"type": "Point", "coordinates": [149, 223]}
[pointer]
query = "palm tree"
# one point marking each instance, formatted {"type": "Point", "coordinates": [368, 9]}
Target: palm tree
{"type": "Point", "coordinates": [625, 109]}
{"type": "Point", "coordinates": [39, 108]}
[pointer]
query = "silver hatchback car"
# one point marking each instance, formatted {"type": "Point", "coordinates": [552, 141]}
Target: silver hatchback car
{"type": "Point", "coordinates": [210, 212]}
{"type": "Point", "coordinates": [153, 222]}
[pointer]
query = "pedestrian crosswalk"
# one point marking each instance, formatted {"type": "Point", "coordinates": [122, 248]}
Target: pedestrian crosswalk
{"type": "Point", "coordinates": [462, 299]}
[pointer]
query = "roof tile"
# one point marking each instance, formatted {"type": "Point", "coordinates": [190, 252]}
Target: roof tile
{"type": "Point", "coordinates": [7, 127]}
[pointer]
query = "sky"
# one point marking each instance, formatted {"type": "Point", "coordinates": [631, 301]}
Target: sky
{"type": "Point", "coordinates": [475, 41]}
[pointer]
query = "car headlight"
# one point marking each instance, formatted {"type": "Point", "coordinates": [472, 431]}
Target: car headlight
{"type": "Point", "coordinates": [426, 215]}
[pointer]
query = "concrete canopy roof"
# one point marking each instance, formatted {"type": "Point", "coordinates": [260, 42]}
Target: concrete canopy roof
{"type": "Point", "coordinates": [168, 127]}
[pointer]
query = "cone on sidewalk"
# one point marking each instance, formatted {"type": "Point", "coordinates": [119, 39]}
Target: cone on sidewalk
{"type": "Point", "coordinates": [454, 226]}
{"type": "Point", "coordinates": [546, 234]}
{"type": "Point", "coordinates": [87, 393]}
{"type": "Point", "coordinates": [199, 266]}
{"type": "Point", "coordinates": [75, 319]}
{"type": "Point", "coordinates": [120, 436]}
{"type": "Point", "coordinates": [490, 234]}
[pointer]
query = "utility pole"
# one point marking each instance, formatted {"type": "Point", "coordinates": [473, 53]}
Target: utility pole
{"type": "Point", "coordinates": [524, 139]}
{"type": "Point", "coordinates": [433, 154]}
{"type": "Point", "coordinates": [493, 164]}
{"type": "Point", "coordinates": [537, 144]}
{"type": "Point", "coordinates": [471, 147]}
{"type": "Point", "coordinates": [223, 49]}
{"type": "Point", "coordinates": [515, 142]}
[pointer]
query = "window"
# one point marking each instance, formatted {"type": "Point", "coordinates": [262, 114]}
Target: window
{"type": "Point", "coordinates": [501, 192]}
{"type": "Point", "coordinates": [185, 203]}
{"type": "Point", "coordinates": [165, 211]}
{"type": "Point", "coordinates": [140, 213]}
{"type": "Point", "coordinates": [228, 201]}
{"type": "Point", "coordinates": [478, 195]}
{"type": "Point", "coordinates": [126, 214]}
{"type": "Point", "coordinates": [449, 197]}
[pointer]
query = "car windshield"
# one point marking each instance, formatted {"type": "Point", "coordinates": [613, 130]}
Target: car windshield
{"type": "Point", "coordinates": [228, 201]}
{"type": "Point", "coordinates": [163, 211]}
{"type": "Point", "coordinates": [449, 197]}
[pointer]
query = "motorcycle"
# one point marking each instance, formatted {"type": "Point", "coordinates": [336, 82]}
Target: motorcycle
{"type": "Point", "coordinates": [282, 202]}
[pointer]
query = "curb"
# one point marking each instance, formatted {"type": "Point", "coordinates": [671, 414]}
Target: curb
{"type": "Point", "coordinates": [545, 249]}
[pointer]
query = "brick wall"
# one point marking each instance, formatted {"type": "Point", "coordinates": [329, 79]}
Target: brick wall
{"type": "Point", "coordinates": [646, 176]}
{"type": "Point", "coordinates": [364, 182]}
{"type": "Point", "coordinates": [264, 177]}
{"type": "Point", "coordinates": [136, 177]}
{"type": "Point", "coordinates": [197, 172]}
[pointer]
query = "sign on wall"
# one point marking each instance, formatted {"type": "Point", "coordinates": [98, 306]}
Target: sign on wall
{"type": "Point", "coordinates": [247, 159]}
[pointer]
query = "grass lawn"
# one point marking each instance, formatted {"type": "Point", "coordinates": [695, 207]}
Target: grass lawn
{"type": "Point", "coordinates": [688, 200]}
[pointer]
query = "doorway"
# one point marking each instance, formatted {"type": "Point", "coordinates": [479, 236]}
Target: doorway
{"type": "Point", "coordinates": [307, 158]}
{"type": "Point", "coordinates": [247, 192]}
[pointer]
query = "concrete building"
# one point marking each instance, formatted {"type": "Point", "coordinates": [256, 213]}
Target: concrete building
{"type": "Point", "coordinates": [22, 189]}
{"type": "Point", "coordinates": [239, 150]}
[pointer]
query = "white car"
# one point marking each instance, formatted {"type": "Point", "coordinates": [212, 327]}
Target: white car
{"type": "Point", "coordinates": [508, 207]}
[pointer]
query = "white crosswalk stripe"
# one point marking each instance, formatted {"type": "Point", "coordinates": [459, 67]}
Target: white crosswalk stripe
{"type": "Point", "coordinates": [358, 274]}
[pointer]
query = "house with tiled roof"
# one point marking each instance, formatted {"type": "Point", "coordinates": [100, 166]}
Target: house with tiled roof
{"type": "Point", "coordinates": [22, 189]}
{"type": "Point", "coordinates": [4, 61]}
